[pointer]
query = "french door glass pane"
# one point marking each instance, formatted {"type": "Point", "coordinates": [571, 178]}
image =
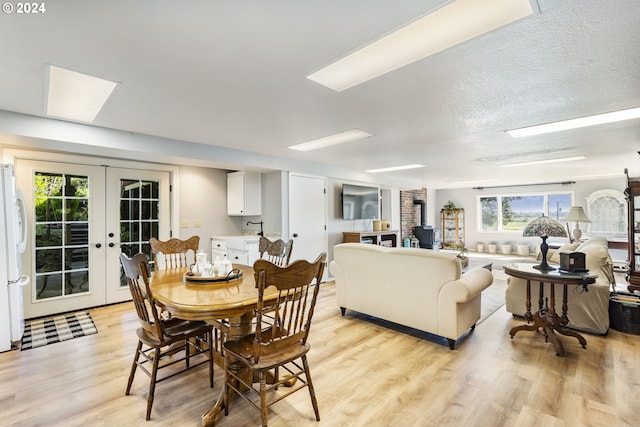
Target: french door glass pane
{"type": "Point", "coordinates": [62, 235]}
{"type": "Point", "coordinates": [139, 216]}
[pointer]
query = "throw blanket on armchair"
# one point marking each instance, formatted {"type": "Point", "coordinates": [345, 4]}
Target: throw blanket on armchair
{"type": "Point", "coordinates": [588, 311]}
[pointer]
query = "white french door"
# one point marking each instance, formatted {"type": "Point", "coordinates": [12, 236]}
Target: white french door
{"type": "Point", "coordinates": [138, 209]}
{"type": "Point", "coordinates": [81, 217]}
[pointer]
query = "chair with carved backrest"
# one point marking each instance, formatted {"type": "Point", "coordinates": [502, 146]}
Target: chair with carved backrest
{"type": "Point", "coordinates": [174, 253]}
{"type": "Point", "coordinates": [280, 341]}
{"type": "Point", "coordinates": [278, 251]}
{"type": "Point", "coordinates": [162, 338]}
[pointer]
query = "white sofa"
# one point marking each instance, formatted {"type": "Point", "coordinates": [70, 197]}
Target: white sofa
{"type": "Point", "coordinates": [418, 288]}
{"type": "Point", "coordinates": [587, 311]}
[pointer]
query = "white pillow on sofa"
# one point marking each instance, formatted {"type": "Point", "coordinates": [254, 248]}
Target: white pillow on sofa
{"type": "Point", "coordinates": [597, 241]}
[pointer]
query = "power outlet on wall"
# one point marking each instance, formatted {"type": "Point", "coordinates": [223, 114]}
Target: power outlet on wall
{"type": "Point", "coordinates": [184, 223]}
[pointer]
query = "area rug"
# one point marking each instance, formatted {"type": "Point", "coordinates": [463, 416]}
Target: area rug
{"type": "Point", "coordinates": [492, 299]}
{"type": "Point", "coordinates": [63, 327]}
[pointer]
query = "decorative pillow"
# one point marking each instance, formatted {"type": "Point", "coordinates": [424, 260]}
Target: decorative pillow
{"type": "Point", "coordinates": [594, 241]}
{"type": "Point", "coordinates": [569, 247]}
{"type": "Point", "coordinates": [599, 262]}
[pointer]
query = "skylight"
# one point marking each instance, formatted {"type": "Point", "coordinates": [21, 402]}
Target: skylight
{"type": "Point", "coordinates": [76, 96]}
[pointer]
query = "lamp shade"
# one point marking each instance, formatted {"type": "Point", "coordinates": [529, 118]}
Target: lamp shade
{"type": "Point", "coordinates": [577, 214]}
{"type": "Point", "coordinates": [544, 226]}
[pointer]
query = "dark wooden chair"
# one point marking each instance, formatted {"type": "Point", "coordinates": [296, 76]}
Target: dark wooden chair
{"type": "Point", "coordinates": [174, 253]}
{"type": "Point", "coordinates": [278, 251]}
{"type": "Point", "coordinates": [280, 341]}
{"type": "Point", "coordinates": [162, 338]}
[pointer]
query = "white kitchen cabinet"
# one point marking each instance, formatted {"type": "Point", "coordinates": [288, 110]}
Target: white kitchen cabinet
{"type": "Point", "coordinates": [244, 194]}
{"type": "Point", "coordinates": [238, 257]}
{"type": "Point", "coordinates": [218, 249]}
{"type": "Point", "coordinates": [237, 249]}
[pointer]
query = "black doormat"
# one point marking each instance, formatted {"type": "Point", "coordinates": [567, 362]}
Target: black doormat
{"type": "Point", "coordinates": [49, 330]}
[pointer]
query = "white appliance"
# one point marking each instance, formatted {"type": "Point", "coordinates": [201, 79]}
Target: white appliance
{"type": "Point", "coordinates": [13, 241]}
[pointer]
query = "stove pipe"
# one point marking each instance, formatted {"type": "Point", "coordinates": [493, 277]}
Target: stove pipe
{"type": "Point", "coordinates": [423, 211]}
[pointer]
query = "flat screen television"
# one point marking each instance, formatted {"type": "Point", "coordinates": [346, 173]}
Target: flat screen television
{"type": "Point", "coordinates": [360, 202]}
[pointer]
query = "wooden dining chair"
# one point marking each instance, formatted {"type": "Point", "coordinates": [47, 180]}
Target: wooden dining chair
{"type": "Point", "coordinates": [162, 338]}
{"type": "Point", "coordinates": [174, 253]}
{"type": "Point", "coordinates": [278, 251]}
{"type": "Point", "coordinates": [280, 341]}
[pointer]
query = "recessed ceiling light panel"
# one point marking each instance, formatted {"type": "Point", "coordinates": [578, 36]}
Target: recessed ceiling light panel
{"type": "Point", "coordinates": [581, 122]}
{"type": "Point", "coordinates": [328, 141]}
{"type": "Point", "coordinates": [540, 162]}
{"type": "Point", "coordinates": [395, 168]}
{"type": "Point", "coordinates": [447, 26]}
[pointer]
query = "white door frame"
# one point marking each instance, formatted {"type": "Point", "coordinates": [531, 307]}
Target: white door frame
{"type": "Point", "coordinates": [9, 156]}
{"type": "Point", "coordinates": [116, 292]}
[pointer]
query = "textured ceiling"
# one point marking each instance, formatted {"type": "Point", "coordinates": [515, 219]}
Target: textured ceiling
{"type": "Point", "coordinates": [232, 74]}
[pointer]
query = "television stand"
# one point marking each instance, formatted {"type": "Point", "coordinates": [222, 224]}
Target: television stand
{"type": "Point", "coordinates": [382, 238]}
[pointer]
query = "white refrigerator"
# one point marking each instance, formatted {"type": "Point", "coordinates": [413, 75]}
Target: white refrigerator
{"type": "Point", "coordinates": [13, 241]}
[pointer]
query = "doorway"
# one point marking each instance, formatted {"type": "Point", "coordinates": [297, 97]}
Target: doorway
{"type": "Point", "coordinates": [81, 217]}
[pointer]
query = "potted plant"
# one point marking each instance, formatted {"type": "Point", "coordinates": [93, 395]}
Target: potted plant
{"type": "Point", "coordinates": [450, 206]}
{"type": "Point", "coordinates": [462, 253]}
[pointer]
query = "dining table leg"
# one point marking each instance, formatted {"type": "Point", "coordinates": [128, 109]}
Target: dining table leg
{"type": "Point", "coordinates": [236, 328]}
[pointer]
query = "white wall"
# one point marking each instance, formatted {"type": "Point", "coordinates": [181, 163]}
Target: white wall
{"type": "Point", "coordinates": [202, 195]}
{"type": "Point", "coordinates": [274, 210]}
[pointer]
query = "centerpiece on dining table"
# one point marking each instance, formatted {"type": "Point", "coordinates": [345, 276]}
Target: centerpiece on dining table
{"type": "Point", "coordinates": [204, 271]}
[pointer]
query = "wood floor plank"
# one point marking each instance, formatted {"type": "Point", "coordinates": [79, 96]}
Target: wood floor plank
{"type": "Point", "coordinates": [366, 373]}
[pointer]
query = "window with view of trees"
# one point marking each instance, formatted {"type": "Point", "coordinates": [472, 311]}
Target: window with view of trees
{"type": "Point", "coordinates": [513, 212]}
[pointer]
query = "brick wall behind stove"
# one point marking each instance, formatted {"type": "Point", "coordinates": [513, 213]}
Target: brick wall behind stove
{"type": "Point", "coordinates": [410, 212]}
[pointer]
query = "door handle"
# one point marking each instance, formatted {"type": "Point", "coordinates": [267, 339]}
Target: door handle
{"type": "Point", "coordinates": [295, 234]}
{"type": "Point", "coordinates": [98, 245]}
{"type": "Point", "coordinates": [113, 244]}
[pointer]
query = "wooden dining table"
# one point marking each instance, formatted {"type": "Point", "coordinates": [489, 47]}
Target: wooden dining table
{"type": "Point", "coordinates": [227, 304]}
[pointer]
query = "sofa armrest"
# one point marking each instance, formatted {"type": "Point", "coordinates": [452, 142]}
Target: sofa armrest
{"type": "Point", "coordinates": [468, 286]}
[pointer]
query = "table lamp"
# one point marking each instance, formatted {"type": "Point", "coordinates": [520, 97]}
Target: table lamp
{"type": "Point", "coordinates": [544, 227]}
{"type": "Point", "coordinates": [577, 214]}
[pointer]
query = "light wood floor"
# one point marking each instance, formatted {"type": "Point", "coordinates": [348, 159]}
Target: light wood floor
{"type": "Point", "coordinates": [365, 374]}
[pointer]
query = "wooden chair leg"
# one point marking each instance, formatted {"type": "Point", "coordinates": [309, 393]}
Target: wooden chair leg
{"type": "Point", "coordinates": [312, 391]}
{"type": "Point", "coordinates": [227, 391]}
{"type": "Point", "coordinates": [152, 386]}
{"type": "Point", "coordinates": [211, 345]}
{"type": "Point", "coordinates": [134, 365]}
{"type": "Point", "coordinates": [276, 377]}
{"type": "Point", "coordinates": [263, 398]}
{"type": "Point", "coordinates": [187, 350]}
